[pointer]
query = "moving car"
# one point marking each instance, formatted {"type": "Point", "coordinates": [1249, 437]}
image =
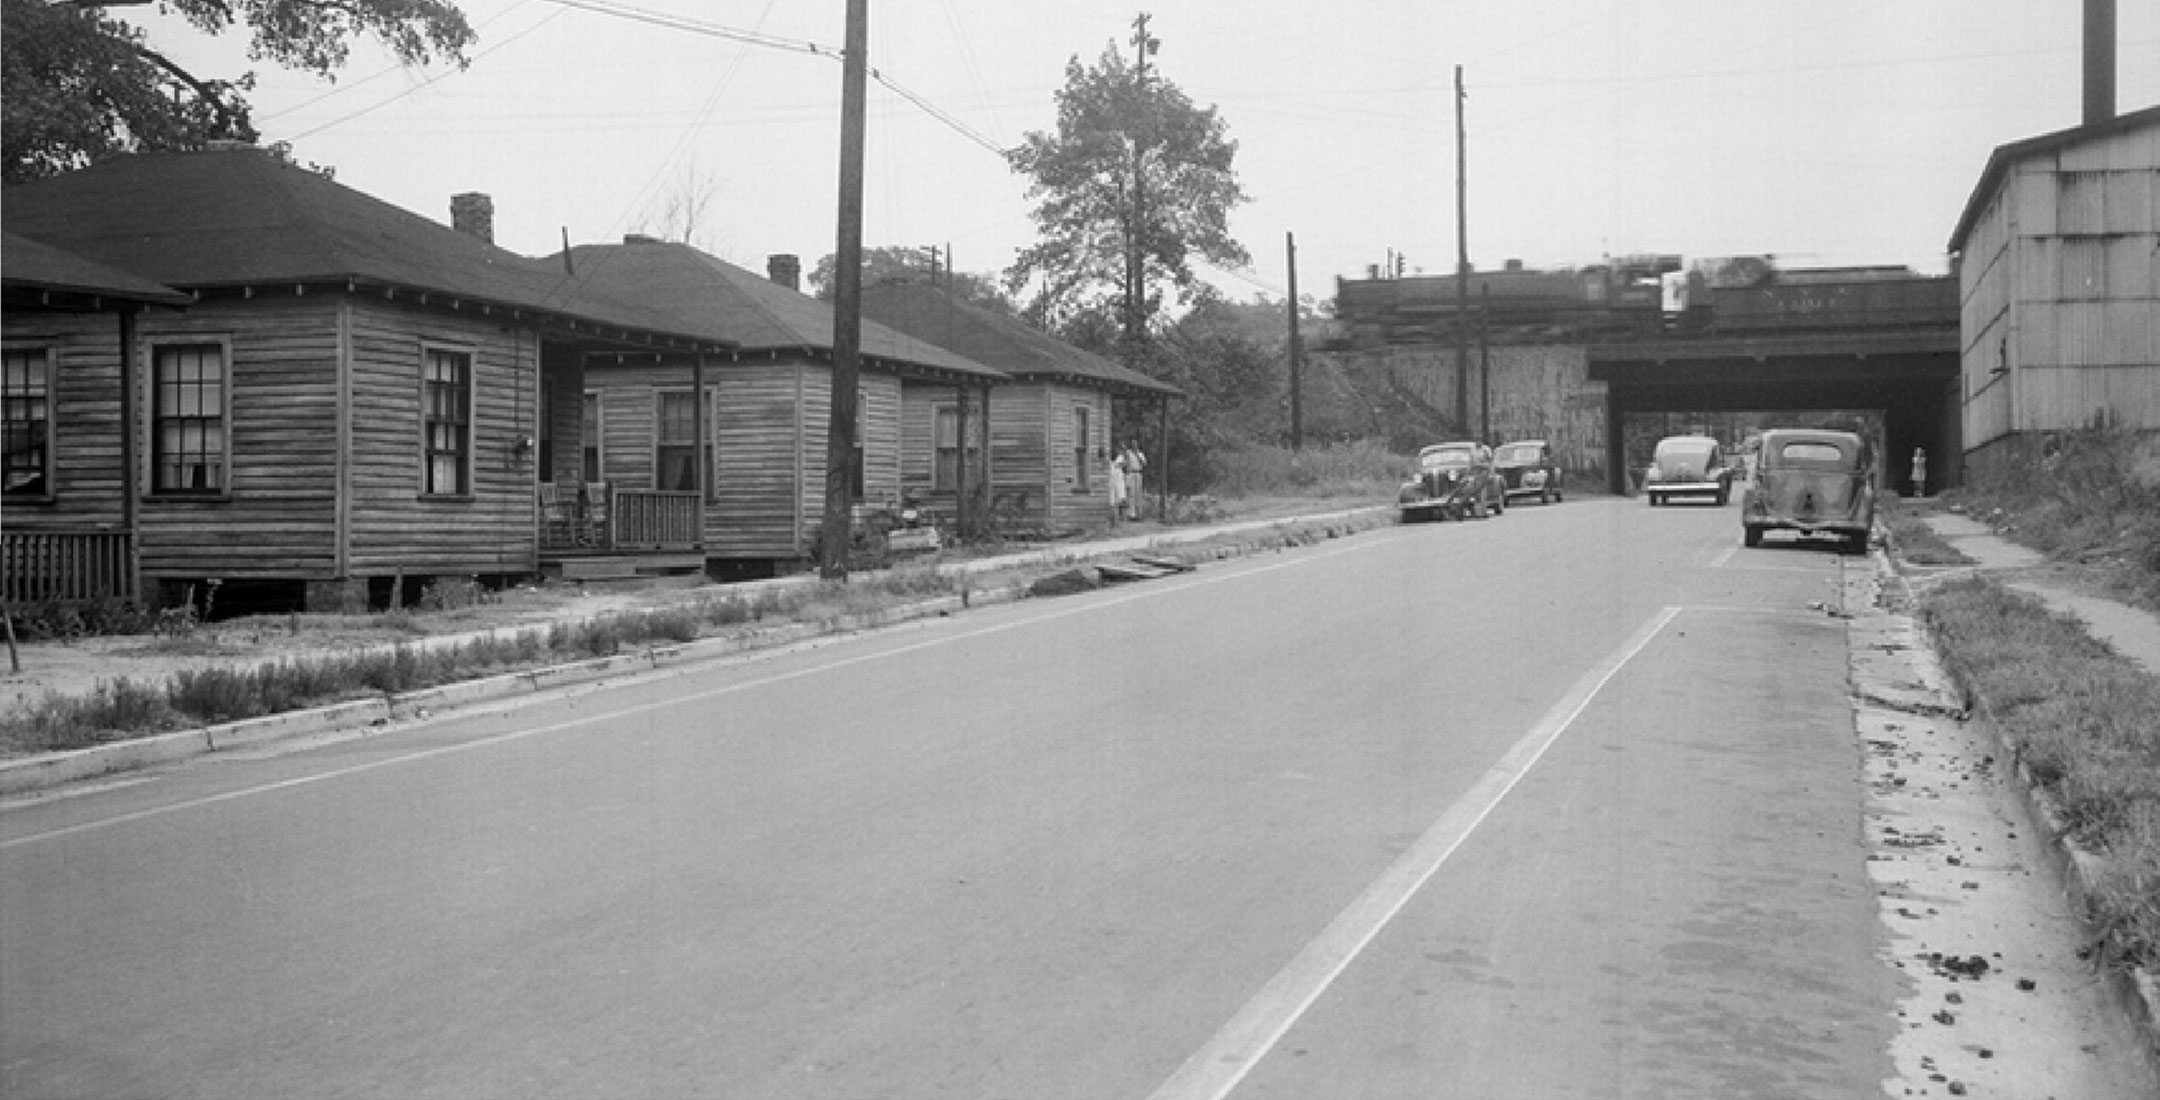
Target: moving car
{"type": "Point", "coordinates": [1527, 469]}
{"type": "Point", "coordinates": [1453, 481]}
{"type": "Point", "coordinates": [1813, 482]}
{"type": "Point", "coordinates": [1688, 465]}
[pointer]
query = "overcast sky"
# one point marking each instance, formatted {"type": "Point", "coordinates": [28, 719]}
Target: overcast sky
{"type": "Point", "coordinates": [1825, 133]}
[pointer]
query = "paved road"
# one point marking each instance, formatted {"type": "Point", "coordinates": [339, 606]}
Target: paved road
{"type": "Point", "coordinates": [1560, 804]}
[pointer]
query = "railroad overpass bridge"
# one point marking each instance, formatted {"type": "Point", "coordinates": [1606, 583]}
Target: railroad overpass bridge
{"type": "Point", "coordinates": [1878, 345]}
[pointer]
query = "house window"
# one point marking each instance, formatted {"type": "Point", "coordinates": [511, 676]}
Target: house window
{"type": "Point", "coordinates": [447, 406]}
{"type": "Point", "coordinates": [589, 438]}
{"type": "Point", "coordinates": [675, 453]}
{"type": "Point", "coordinates": [26, 405]}
{"type": "Point", "coordinates": [1080, 448]}
{"type": "Point", "coordinates": [187, 441]}
{"type": "Point", "coordinates": [945, 433]}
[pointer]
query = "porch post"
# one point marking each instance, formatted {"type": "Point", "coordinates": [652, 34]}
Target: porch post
{"type": "Point", "coordinates": [130, 512]}
{"type": "Point", "coordinates": [698, 439]}
{"type": "Point", "coordinates": [1162, 480]}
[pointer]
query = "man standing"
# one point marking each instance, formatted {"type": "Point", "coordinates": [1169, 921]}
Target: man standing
{"type": "Point", "coordinates": [1135, 461]}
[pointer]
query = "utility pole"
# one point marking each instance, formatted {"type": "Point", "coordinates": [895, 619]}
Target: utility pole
{"type": "Point", "coordinates": [847, 299]}
{"type": "Point", "coordinates": [1136, 236]}
{"type": "Point", "coordinates": [1462, 267]}
{"type": "Point", "coordinates": [1297, 410]}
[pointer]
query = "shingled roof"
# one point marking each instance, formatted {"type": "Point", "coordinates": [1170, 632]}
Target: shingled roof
{"type": "Point", "coordinates": [1007, 343]}
{"type": "Point", "coordinates": [242, 217]}
{"type": "Point", "coordinates": [683, 282]}
{"type": "Point", "coordinates": [62, 279]}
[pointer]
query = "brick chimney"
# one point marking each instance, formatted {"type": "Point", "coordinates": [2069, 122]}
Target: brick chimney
{"type": "Point", "coordinates": [2099, 61]}
{"type": "Point", "coordinates": [473, 214]}
{"type": "Point", "coordinates": [785, 268]}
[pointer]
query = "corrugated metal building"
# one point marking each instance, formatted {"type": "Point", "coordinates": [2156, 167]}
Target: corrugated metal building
{"type": "Point", "coordinates": [2058, 260]}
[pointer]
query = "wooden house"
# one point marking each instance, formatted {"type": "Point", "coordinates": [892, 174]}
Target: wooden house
{"type": "Point", "coordinates": [97, 559]}
{"type": "Point", "coordinates": [760, 441]}
{"type": "Point", "coordinates": [1052, 430]}
{"type": "Point", "coordinates": [350, 398]}
{"type": "Point", "coordinates": [2058, 265]}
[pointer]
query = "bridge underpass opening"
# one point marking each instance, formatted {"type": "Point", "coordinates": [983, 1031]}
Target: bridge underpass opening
{"type": "Point", "coordinates": [1908, 401]}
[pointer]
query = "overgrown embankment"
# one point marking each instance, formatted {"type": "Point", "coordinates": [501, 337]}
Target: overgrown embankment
{"type": "Point", "coordinates": [2085, 719]}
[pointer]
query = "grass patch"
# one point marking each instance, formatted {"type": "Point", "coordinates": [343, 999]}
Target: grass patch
{"type": "Point", "coordinates": [2092, 498]}
{"type": "Point", "coordinates": [1912, 539]}
{"type": "Point", "coordinates": [2085, 721]}
{"type": "Point", "coordinates": [1359, 470]}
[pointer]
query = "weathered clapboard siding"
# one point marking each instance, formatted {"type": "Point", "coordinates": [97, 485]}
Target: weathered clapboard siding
{"type": "Point", "coordinates": [84, 407]}
{"type": "Point", "coordinates": [275, 517]}
{"type": "Point", "coordinates": [760, 458]}
{"type": "Point", "coordinates": [394, 527]}
{"type": "Point", "coordinates": [1079, 495]}
{"type": "Point", "coordinates": [920, 403]}
{"type": "Point", "coordinates": [1021, 476]}
{"type": "Point", "coordinates": [1032, 471]}
{"type": "Point", "coordinates": [772, 419]}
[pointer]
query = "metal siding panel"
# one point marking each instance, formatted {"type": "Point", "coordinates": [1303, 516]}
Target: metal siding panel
{"type": "Point", "coordinates": [2082, 262]}
{"type": "Point", "coordinates": [2128, 266]}
{"type": "Point", "coordinates": [2128, 199]}
{"type": "Point", "coordinates": [2031, 197]}
{"type": "Point", "coordinates": [2079, 204]}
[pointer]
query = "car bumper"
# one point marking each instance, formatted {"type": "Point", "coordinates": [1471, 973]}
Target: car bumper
{"type": "Point", "coordinates": [1675, 488]}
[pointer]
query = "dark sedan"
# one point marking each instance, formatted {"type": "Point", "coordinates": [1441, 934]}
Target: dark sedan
{"type": "Point", "coordinates": [1527, 469]}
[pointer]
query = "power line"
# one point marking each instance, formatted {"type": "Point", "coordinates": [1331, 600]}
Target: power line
{"type": "Point", "coordinates": [791, 45]}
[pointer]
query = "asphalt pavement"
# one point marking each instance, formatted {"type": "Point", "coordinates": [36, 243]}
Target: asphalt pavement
{"type": "Point", "coordinates": [1399, 814]}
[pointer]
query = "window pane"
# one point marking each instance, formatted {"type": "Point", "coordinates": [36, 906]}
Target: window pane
{"type": "Point", "coordinates": [188, 439]}
{"type": "Point", "coordinates": [446, 436]}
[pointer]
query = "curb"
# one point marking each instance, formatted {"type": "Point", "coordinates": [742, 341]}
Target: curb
{"type": "Point", "coordinates": [2134, 989]}
{"type": "Point", "coordinates": [34, 773]}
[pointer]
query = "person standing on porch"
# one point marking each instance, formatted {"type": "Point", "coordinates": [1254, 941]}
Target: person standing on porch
{"type": "Point", "coordinates": [1117, 487]}
{"type": "Point", "coordinates": [1135, 461]}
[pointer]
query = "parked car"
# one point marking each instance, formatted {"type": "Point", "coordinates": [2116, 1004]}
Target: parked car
{"type": "Point", "coordinates": [1527, 469]}
{"type": "Point", "coordinates": [1688, 465]}
{"type": "Point", "coordinates": [1452, 481]}
{"type": "Point", "coordinates": [1813, 482]}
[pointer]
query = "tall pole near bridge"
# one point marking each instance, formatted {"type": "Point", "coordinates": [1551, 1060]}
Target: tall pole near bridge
{"type": "Point", "coordinates": [1462, 268]}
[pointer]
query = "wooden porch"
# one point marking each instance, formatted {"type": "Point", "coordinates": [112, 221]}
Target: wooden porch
{"type": "Point", "coordinates": [40, 567]}
{"type": "Point", "coordinates": [594, 531]}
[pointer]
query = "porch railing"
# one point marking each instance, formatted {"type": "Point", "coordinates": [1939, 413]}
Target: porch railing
{"type": "Point", "coordinates": [598, 517]}
{"type": "Point", "coordinates": [39, 567]}
{"type": "Point", "coordinates": [648, 519]}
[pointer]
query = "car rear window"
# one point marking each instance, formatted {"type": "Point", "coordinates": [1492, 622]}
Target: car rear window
{"type": "Point", "coordinates": [1518, 454]}
{"type": "Point", "coordinates": [1687, 450]}
{"type": "Point", "coordinates": [1812, 453]}
{"type": "Point", "coordinates": [1436, 460]}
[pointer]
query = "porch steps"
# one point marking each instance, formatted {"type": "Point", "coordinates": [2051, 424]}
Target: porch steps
{"type": "Point", "coordinates": [611, 567]}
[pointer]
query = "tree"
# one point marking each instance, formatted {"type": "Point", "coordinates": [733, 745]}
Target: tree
{"type": "Point", "coordinates": [77, 85]}
{"type": "Point", "coordinates": [894, 264]}
{"type": "Point", "coordinates": [1135, 182]}
{"type": "Point", "coordinates": [678, 214]}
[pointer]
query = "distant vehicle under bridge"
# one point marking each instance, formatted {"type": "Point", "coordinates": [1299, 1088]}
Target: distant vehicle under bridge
{"type": "Point", "coordinates": [1881, 342]}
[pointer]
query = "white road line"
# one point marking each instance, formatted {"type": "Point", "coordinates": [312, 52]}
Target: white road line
{"type": "Point", "coordinates": [1234, 1050]}
{"type": "Point", "coordinates": [1078, 608]}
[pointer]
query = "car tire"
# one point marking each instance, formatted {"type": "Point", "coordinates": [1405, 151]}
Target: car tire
{"type": "Point", "coordinates": [1751, 534]}
{"type": "Point", "coordinates": [1723, 494]}
{"type": "Point", "coordinates": [1545, 496]}
{"type": "Point", "coordinates": [1653, 499]}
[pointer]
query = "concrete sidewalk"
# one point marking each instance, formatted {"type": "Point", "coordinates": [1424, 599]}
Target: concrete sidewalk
{"type": "Point", "coordinates": [2130, 631]}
